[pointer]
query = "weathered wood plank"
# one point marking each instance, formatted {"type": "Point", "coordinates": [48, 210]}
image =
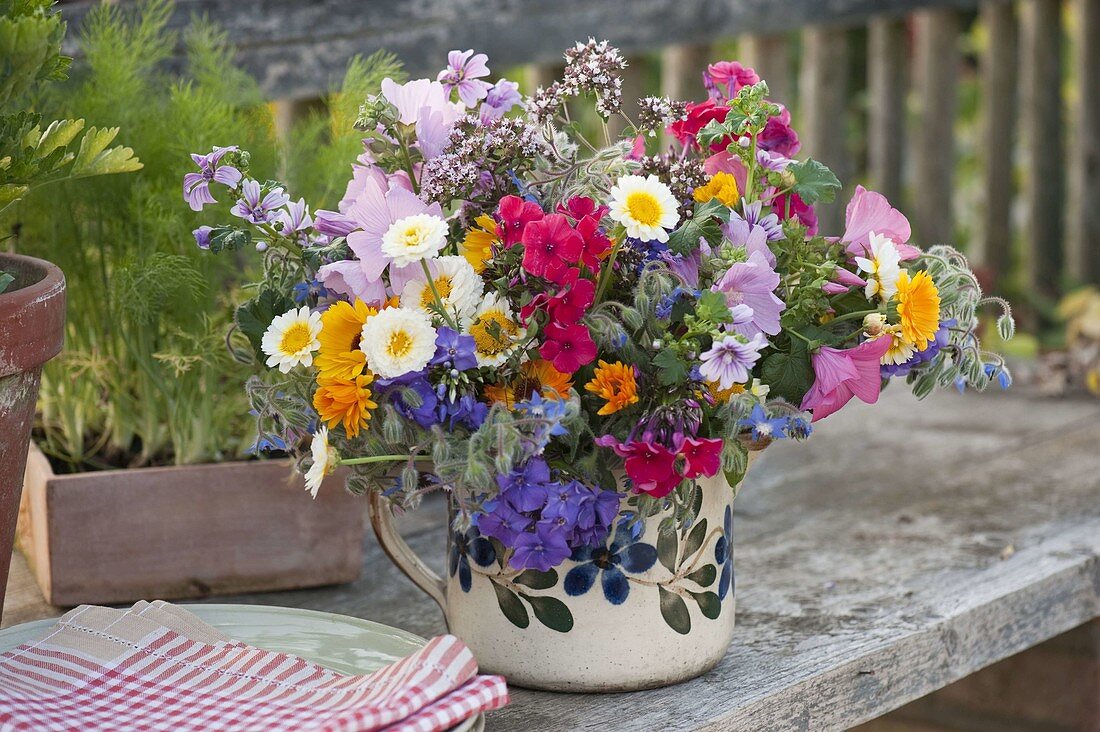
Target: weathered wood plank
{"type": "Point", "coordinates": [936, 82]}
{"type": "Point", "coordinates": [1041, 108]}
{"type": "Point", "coordinates": [887, 84]}
{"type": "Point", "coordinates": [299, 49]}
{"type": "Point", "coordinates": [823, 108]}
{"type": "Point", "coordinates": [770, 56]}
{"type": "Point", "coordinates": [999, 68]}
{"type": "Point", "coordinates": [1085, 161]}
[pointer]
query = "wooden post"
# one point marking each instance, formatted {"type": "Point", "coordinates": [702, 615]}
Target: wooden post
{"type": "Point", "coordinates": [1041, 109]}
{"type": "Point", "coordinates": [936, 83]}
{"type": "Point", "coordinates": [540, 75]}
{"type": "Point", "coordinates": [823, 101]}
{"type": "Point", "coordinates": [1085, 236]}
{"type": "Point", "coordinates": [289, 112]}
{"type": "Point", "coordinates": [999, 64]}
{"type": "Point", "coordinates": [682, 70]}
{"type": "Point", "coordinates": [769, 56]}
{"type": "Point", "coordinates": [634, 88]}
{"type": "Point", "coordinates": [886, 88]}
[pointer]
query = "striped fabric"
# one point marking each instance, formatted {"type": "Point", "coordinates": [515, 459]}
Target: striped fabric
{"type": "Point", "coordinates": [103, 669]}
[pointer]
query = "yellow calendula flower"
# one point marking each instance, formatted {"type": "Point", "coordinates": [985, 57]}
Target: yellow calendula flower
{"type": "Point", "coordinates": [614, 382]}
{"type": "Point", "coordinates": [722, 186]}
{"type": "Point", "coordinates": [477, 247]}
{"type": "Point", "coordinates": [341, 329]}
{"type": "Point", "coordinates": [918, 308]}
{"type": "Point", "coordinates": [345, 400]}
{"type": "Point", "coordinates": [535, 377]}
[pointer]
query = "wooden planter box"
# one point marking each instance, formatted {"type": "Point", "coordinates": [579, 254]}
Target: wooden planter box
{"type": "Point", "coordinates": [122, 535]}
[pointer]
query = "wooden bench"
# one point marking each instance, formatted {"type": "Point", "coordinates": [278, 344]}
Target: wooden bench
{"type": "Point", "coordinates": [904, 547]}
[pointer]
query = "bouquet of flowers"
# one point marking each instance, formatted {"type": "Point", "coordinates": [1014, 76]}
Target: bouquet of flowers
{"type": "Point", "coordinates": [564, 331]}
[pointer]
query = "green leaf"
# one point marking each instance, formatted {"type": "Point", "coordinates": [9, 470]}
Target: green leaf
{"type": "Point", "coordinates": [58, 135]}
{"type": "Point", "coordinates": [686, 238]}
{"type": "Point", "coordinates": [704, 576]}
{"type": "Point", "coordinates": [713, 308]}
{"type": "Point", "coordinates": [711, 132]}
{"type": "Point", "coordinates": [510, 605]}
{"type": "Point", "coordinates": [695, 539]}
{"type": "Point", "coordinates": [709, 604]}
{"type": "Point", "coordinates": [789, 374]}
{"type": "Point", "coordinates": [551, 612]}
{"type": "Point", "coordinates": [666, 549]}
{"type": "Point", "coordinates": [256, 315]}
{"type": "Point", "coordinates": [537, 580]}
{"type": "Point", "coordinates": [5, 280]}
{"type": "Point", "coordinates": [814, 182]}
{"type": "Point", "coordinates": [671, 368]}
{"type": "Point", "coordinates": [674, 611]}
{"type": "Point", "coordinates": [230, 238]}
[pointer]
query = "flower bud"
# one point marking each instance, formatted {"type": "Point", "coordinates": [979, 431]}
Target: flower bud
{"type": "Point", "coordinates": [874, 324]}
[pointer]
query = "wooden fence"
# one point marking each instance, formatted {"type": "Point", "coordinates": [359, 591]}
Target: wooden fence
{"type": "Point", "coordinates": [874, 84]}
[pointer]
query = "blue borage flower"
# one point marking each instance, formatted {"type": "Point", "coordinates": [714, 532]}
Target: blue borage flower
{"type": "Point", "coordinates": [609, 563]}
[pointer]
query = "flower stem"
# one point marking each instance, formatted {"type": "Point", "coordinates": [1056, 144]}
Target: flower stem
{"type": "Point", "coordinates": [606, 271]}
{"type": "Point", "coordinates": [435, 294]}
{"type": "Point", "coordinates": [854, 315]}
{"type": "Point", "coordinates": [379, 459]}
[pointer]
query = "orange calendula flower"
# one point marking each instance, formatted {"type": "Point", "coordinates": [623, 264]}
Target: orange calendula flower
{"type": "Point", "coordinates": [339, 356]}
{"type": "Point", "coordinates": [614, 382]}
{"type": "Point", "coordinates": [345, 400]}
{"type": "Point", "coordinates": [477, 247]}
{"type": "Point", "coordinates": [722, 186]}
{"type": "Point", "coordinates": [918, 308]}
{"type": "Point", "coordinates": [536, 376]}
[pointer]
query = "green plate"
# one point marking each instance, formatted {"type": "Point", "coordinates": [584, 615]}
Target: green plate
{"type": "Point", "coordinates": [344, 644]}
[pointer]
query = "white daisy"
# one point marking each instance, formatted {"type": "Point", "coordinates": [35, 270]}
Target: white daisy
{"type": "Point", "coordinates": [883, 268]}
{"type": "Point", "coordinates": [325, 461]}
{"type": "Point", "coordinates": [495, 330]}
{"type": "Point", "coordinates": [900, 350]}
{"type": "Point", "coordinates": [413, 238]}
{"type": "Point", "coordinates": [291, 339]}
{"type": "Point", "coordinates": [397, 341]}
{"type": "Point", "coordinates": [645, 206]}
{"type": "Point", "coordinates": [455, 280]}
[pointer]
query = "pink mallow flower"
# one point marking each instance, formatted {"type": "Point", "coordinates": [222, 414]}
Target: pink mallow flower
{"type": "Point", "coordinates": [426, 105]}
{"type": "Point", "coordinates": [753, 283]}
{"type": "Point", "coordinates": [729, 361]}
{"type": "Point", "coordinates": [725, 78]}
{"type": "Point", "coordinates": [843, 281]}
{"type": "Point", "coordinates": [464, 71]}
{"type": "Point", "coordinates": [843, 374]}
{"type": "Point", "coordinates": [869, 212]}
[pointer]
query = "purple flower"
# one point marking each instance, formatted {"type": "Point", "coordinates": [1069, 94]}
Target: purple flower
{"type": "Point", "coordinates": [499, 100]}
{"type": "Point", "coordinates": [729, 360]}
{"type": "Point", "coordinates": [921, 357]}
{"type": "Point", "coordinates": [333, 223]}
{"type": "Point", "coordinates": [753, 283]}
{"type": "Point", "coordinates": [525, 488]}
{"type": "Point", "coordinates": [763, 427]}
{"type": "Point", "coordinates": [583, 514]}
{"type": "Point", "coordinates": [542, 549]}
{"type": "Point", "coordinates": [753, 237]}
{"type": "Point", "coordinates": [463, 72]}
{"type": "Point", "coordinates": [256, 207]}
{"type": "Point", "coordinates": [773, 228]}
{"type": "Point", "coordinates": [196, 186]}
{"type": "Point", "coordinates": [296, 221]}
{"type": "Point", "coordinates": [202, 236]}
{"type": "Point", "coordinates": [502, 522]}
{"type": "Point", "coordinates": [454, 350]}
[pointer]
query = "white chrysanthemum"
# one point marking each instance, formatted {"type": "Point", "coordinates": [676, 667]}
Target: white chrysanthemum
{"type": "Point", "coordinates": [291, 339]}
{"type": "Point", "coordinates": [882, 268]}
{"type": "Point", "coordinates": [325, 461]}
{"type": "Point", "coordinates": [901, 350]}
{"type": "Point", "coordinates": [397, 341]}
{"type": "Point", "coordinates": [455, 280]}
{"type": "Point", "coordinates": [645, 206]}
{"type": "Point", "coordinates": [495, 330]}
{"type": "Point", "coordinates": [413, 238]}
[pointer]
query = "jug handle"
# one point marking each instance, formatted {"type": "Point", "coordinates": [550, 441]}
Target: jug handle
{"type": "Point", "coordinates": [396, 548]}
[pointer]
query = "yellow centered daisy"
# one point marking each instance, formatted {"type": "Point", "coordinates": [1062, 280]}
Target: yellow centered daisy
{"type": "Point", "coordinates": [325, 461]}
{"type": "Point", "coordinates": [397, 341]}
{"type": "Point", "coordinates": [291, 339]}
{"type": "Point", "coordinates": [413, 238]}
{"type": "Point", "coordinates": [495, 331]}
{"type": "Point", "coordinates": [455, 280]}
{"type": "Point", "coordinates": [918, 308]}
{"type": "Point", "coordinates": [644, 206]}
{"type": "Point", "coordinates": [882, 268]}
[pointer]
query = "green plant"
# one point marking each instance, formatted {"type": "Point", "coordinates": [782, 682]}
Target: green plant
{"type": "Point", "coordinates": [146, 377]}
{"type": "Point", "coordinates": [30, 55]}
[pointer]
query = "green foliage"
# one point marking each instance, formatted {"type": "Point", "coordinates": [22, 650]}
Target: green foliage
{"type": "Point", "coordinates": [813, 182]}
{"type": "Point", "coordinates": [30, 156]}
{"type": "Point", "coordinates": [789, 372]}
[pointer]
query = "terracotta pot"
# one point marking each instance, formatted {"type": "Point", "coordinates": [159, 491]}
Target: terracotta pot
{"type": "Point", "coordinates": [32, 329]}
{"type": "Point", "coordinates": [647, 609]}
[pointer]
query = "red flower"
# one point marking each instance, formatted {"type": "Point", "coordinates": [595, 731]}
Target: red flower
{"type": "Point", "coordinates": [732, 76]}
{"type": "Point", "coordinates": [514, 214]}
{"type": "Point", "coordinates": [578, 207]}
{"type": "Point", "coordinates": [651, 466]}
{"type": "Point", "coordinates": [596, 243]}
{"type": "Point", "coordinates": [698, 115]}
{"type": "Point", "coordinates": [572, 302]}
{"type": "Point", "coordinates": [550, 247]}
{"type": "Point", "coordinates": [568, 347]}
{"type": "Point", "coordinates": [801, 210]}
{"type": "Point", "coordinates": [701, 457]}
{"type": "Point", "coordinates": [778, 136]}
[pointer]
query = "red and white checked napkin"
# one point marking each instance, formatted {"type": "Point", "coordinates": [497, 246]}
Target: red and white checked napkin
{"type": "Point", "coordinates": [159, 667]}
